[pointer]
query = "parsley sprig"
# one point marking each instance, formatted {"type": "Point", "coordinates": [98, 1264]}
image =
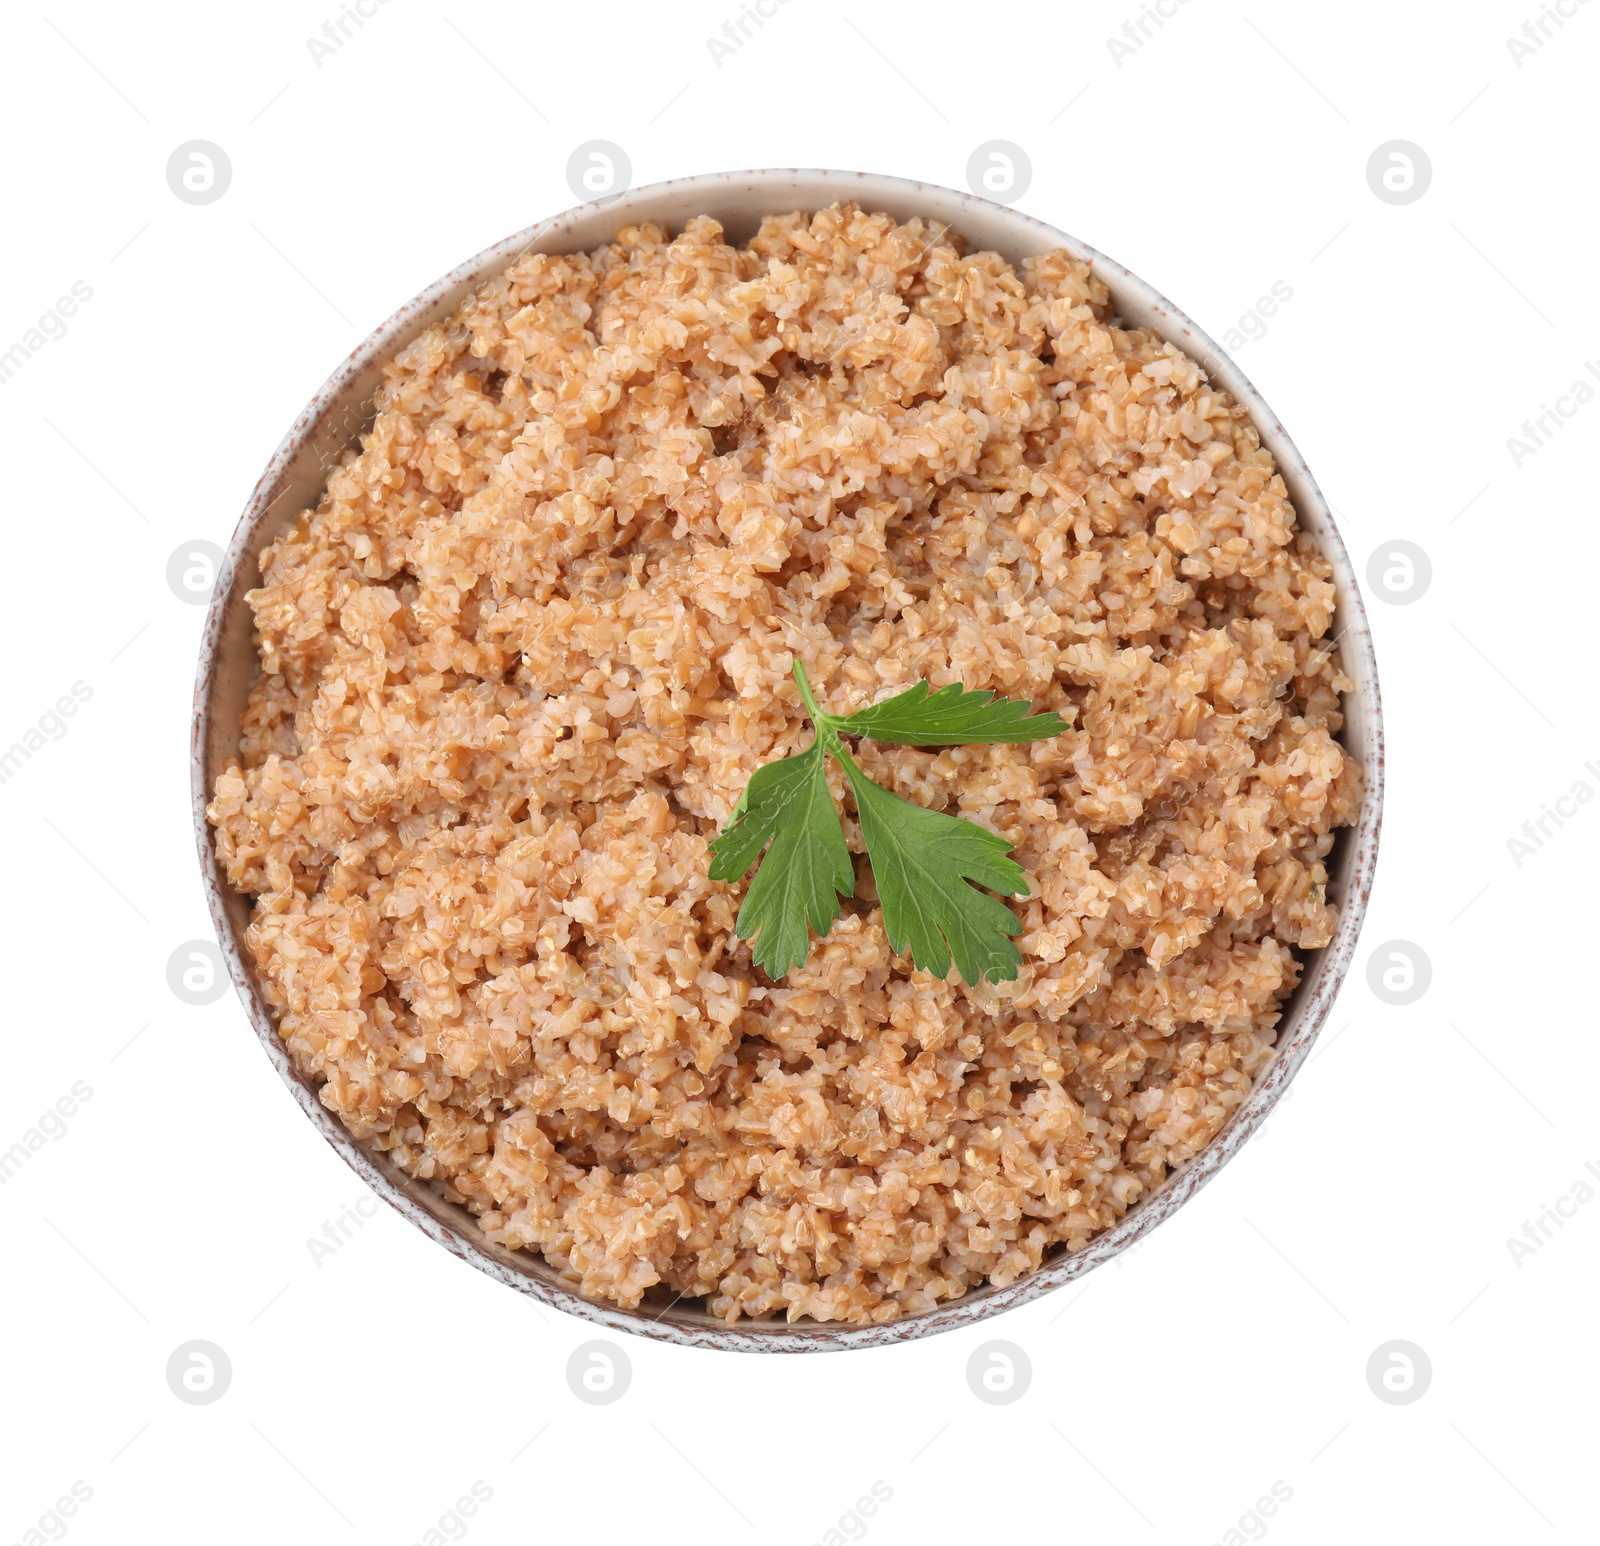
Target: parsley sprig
{"type": "Point", "coordinates": [927, 865]}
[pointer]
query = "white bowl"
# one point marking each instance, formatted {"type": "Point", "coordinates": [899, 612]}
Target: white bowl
{"type": "Point", "coordinates": [334, 421]}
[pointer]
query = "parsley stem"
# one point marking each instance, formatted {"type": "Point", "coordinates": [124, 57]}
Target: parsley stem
{"type": "Point", "coordinates": [823, 722]}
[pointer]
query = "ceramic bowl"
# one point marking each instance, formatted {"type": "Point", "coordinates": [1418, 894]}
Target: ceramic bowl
{"type": "Point", "coordinates": [334, 420]}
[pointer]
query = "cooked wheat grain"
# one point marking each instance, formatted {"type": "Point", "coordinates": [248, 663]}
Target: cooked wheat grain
{"type": "Point", "coordinates": [518, 663]}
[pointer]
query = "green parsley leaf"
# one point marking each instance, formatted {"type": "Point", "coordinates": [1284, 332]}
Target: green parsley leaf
{"type": "Point", "coordinates": [927, 865]}
{"type": "Point", "coordinates": [950, 717]}
{"type": "Point", "coordinates": [786, 804]}
{"type": "Point", "coordinates": [922, 861]}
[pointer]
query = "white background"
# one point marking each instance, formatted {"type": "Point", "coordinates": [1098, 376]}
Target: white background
{"type": "Point", "coordinates": [1169, 1391]}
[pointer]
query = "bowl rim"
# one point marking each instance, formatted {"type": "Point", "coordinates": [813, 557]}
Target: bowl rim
{"type": "Point", "coordinates": [1303, 1015]}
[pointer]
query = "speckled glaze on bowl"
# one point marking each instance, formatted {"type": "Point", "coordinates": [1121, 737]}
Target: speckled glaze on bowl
{"type": "Point", "coordinates": [334, 420]}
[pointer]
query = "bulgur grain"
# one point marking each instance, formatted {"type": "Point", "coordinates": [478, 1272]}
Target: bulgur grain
{"type": "Point", "coordinates": [519, 662]}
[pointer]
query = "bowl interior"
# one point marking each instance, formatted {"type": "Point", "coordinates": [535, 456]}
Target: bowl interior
{"type": "Point", "coordinates": [342, 410]}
